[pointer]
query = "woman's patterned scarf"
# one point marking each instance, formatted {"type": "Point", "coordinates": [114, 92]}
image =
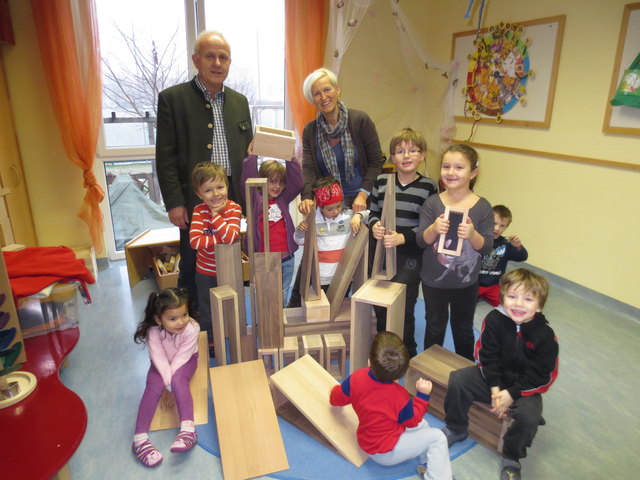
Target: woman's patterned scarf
{"type": "Point", "coordinates": [341, 131]}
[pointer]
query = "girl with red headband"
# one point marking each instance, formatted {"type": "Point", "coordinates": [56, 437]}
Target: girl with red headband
{"type": "Point", "coordinates": [334, 225]}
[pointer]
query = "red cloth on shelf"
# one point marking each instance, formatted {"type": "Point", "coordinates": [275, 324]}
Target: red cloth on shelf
{"type": "Point", "coordinates": [34, 268]}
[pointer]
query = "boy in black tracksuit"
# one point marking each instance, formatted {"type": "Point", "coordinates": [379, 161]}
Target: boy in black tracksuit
{"type": "Point", "coordinates": [517, 355]}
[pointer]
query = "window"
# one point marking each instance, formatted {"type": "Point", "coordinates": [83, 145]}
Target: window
{"type": "Point", "coordinates": [255, 31]}
{"type": "Point", "coordinates": [145, 48]}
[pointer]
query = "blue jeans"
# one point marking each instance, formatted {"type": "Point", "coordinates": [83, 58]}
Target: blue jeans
{"type": "Point", "coordinates": [287, 275]}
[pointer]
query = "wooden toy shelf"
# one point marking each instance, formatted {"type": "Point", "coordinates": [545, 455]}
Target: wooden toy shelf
{"type": "Point", "coordinates": [138, 253]}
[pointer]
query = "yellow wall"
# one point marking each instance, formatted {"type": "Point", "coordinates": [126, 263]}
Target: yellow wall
{"type": "Point", "coordinates": [578, 221]}
{"type": "Point", "coordinates": [55, 184]}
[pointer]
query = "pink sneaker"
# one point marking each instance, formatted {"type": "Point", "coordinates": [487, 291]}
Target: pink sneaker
{"type": "Point", "coordinates": [184, 441]}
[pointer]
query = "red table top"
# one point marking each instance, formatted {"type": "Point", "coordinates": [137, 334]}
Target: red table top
{"type": "Point", "coordinates": [40, 433]}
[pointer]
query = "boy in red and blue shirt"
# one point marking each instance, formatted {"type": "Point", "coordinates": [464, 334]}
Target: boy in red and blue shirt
{"type": "Point", "coordinates": [391, 426]}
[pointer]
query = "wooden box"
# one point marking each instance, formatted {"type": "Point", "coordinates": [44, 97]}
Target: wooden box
{"type": "Point", "coordinates": [273, 142]}
{"type": "Point", "coordinates": [139, 255]}
{"type": "Point", "coordinates": [435, 364]}
{"type": "Point", "coordinates": [168, 280]}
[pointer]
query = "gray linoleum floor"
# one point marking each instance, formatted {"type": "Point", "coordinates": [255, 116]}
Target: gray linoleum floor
{"type": "Point", "coordinates": [593, 423]}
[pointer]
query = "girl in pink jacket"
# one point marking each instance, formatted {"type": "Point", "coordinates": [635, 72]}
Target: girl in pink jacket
{"type": "Point", "coordinates": [171, 336]}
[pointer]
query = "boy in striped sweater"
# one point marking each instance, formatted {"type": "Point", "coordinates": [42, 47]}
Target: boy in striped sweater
{"type": "Point", "coordinates": [408, 149]}
{"type": "Point", "coordinates": [215, 220]}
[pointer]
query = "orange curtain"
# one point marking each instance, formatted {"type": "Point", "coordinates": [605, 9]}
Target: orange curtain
{"type": "Point", "coordinates": [72, 73]}
{"type": "Point", "coordinates": [306, 33]}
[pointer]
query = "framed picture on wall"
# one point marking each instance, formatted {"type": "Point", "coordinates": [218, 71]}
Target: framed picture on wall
{"type": "Point", "coordinates": [6, 31]}
{"type": "Point", "coordinates": [624, 119]}
{"type": "Point", "coordinates": [508, 72]}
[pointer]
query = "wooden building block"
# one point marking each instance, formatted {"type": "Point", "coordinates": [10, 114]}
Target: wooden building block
{"type": "Point", "coordinates": [295, 323]}
{"type": "Point", "coordinates": [270, 358]}
{"type": "Point", "coordinates": [268, 299]}
{"type": "Point", "coordinates": [226, 323]}
{"type": "Point", "coordinates": [374, 292]}
{"type": "Point", "coordinates": [451, 243]}
{"type": "Point", "coordinates": [230, 272]}
{"type": "Point", "coordinates": [388, 219]}
{"type": "Point", "coordinates": [274, 142]}
{"type": "Point", "coordinates": [312, 345]}
{"type": "Point", "coordinates": [354, 258]}
{"type": "Point", "coordinates": [290, 351]}
{"type": "Point", "coordinates": [435, 364]}
{"type": "Point", "coordinates": [165, 418]}
{"type": "Point", "coordinates": [334, 346]}
{"type": "Point", "coordinates": [307, 385]}
{"type": "Point", "coordinates": [248, 448]}
{"type": "Point", "coordinates": [317, 310]}
{"type": "Point", "coordinates": [309, 268]}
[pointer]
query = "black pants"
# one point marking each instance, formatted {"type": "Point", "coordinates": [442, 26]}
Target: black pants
{"type": "Point", "coordinates": [408, 273]}
{"type": "Point", "coordinates": [204, 283]}
{"type": "Point", "coordinates": [187, 275]}
{"type": "Point", "coordinates": [468, 385]}
{"type": "Point", "coordinates": [462, 302]}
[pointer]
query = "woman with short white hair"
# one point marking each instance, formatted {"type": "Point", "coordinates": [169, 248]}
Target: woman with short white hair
{"type": "Point", "coordinates": [341, 142]}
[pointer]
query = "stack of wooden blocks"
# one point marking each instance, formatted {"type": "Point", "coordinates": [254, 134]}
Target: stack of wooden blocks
{"type": "Point", "coordinates": [435, 364]}
{"type": "Point", "coordinates": [166, 262]}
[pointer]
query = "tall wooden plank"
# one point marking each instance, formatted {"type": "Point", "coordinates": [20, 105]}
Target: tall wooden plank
{"type": "Point", "coordinates": [310, 271]}
{"type": "Point", "coordinates": [356, 248]}
{"type": "Point", "coordinates": [250, 444]}
{"type": "Point", "coordinates": [388, 219]}
{"type": "Point", "coordinates": [229, 271]}
{"type": "Point", "coordinates": [307, 385]}
{"type": "Point", "coordinates": [268, 299]}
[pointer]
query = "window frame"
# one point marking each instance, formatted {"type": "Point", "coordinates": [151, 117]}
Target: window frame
{"type": "Point", "coordinates": [194, 23]}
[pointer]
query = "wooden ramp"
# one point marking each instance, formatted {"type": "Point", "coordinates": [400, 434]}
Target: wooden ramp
{"type": "Point", "coordinates": [165, 418]}
{"type": "Point", "coordinates": [307, 385]}
{"type": "Point", "coordinates": [248, 432]}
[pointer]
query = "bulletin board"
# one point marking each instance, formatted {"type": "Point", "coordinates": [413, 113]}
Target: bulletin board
{"type": "Point", "coordinates": [544, 44]}
{"type": "Point", "coordinates": [624, 119]}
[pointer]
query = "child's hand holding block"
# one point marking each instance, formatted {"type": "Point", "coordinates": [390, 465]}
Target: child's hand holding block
{"type": "Point", "coordinates": [273, 142]}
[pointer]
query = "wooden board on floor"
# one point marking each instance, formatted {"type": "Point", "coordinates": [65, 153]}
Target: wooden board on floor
{"type": "Point", "coordinates": [307, 385]}
{"type": "Point", "coordinates": [250, 444]}
{"type": "Point", "coordinates": [165, 418]}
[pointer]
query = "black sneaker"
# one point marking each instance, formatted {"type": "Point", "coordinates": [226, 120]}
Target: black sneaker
{"type": "Point", "coordinates": [453, 437]}
{"type": "Point", "coordinates": [510, 469]}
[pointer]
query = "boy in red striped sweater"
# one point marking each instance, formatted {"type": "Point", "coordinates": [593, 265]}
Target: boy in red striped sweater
{"type": "Point", "coordinates": [215, 220]}
{"type": "Point", "coordinates": [391, 427]}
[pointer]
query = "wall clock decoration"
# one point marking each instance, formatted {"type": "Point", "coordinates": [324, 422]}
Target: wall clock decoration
{"type": "Point", "coordinates": [498, 71]}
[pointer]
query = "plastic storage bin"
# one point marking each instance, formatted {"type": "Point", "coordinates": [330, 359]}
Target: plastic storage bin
{"type": "Point", "coordinates": [49, 310]}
